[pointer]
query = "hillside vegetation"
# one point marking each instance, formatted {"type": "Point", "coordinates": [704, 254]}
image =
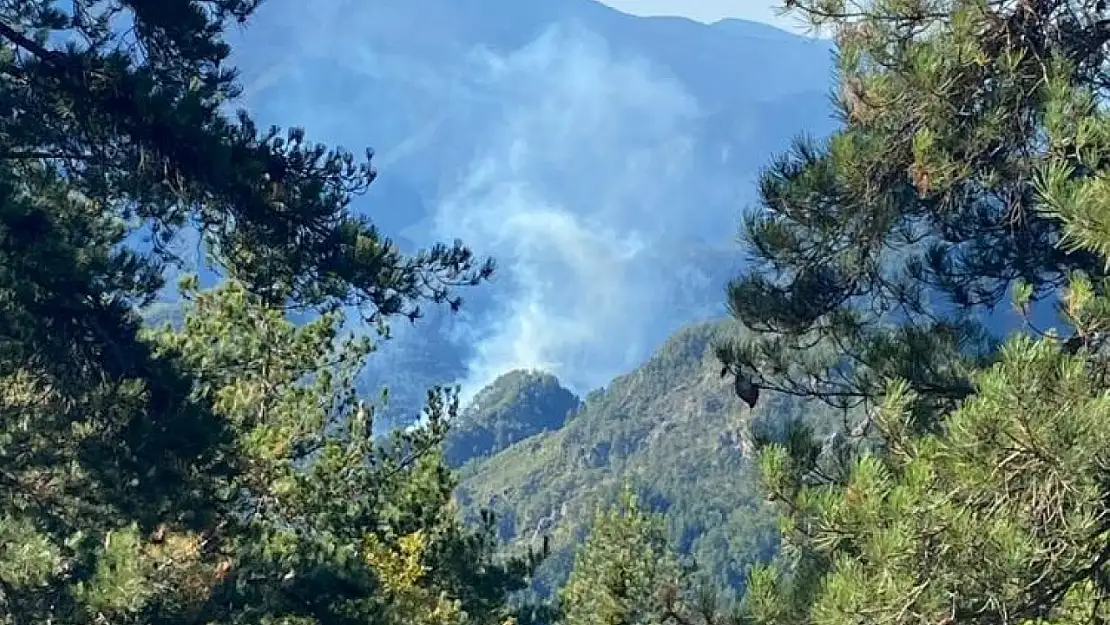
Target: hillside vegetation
{"type": "Point", "coordinates": [517, 405]}
{"type": "Point", "coordinates": [673, 430]}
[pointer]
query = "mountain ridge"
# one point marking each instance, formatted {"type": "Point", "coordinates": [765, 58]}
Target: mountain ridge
{"type": "Point", "coordinates": [673, 430]}
{"type": "Point", "coordinates": [514, 407]}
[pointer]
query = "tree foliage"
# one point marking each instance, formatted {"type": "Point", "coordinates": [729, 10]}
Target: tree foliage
{"type": "Point", "coordinates": [356, 531]}
{"type": "Point", "coordinates": [971, 167]}
{"type": "Point", "coordinates": [879, 251]}
{"type": "Point", "coordinates": [626, 574]}
{"type": "Point", "coordinates": [1002, 518]}
{"type": "Point", "coordinates": [223, 471]}
{"type": "Point", "coordinates": [128, 107]}
{"type": "Point", "coordinates": [314, 522]}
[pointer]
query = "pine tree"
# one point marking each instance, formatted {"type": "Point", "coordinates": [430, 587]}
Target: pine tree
{"type": "Point", "coordinates": [626, 573]}
{"type": "Point", "coordinates": [1001, 517]}
{"type": "Point", "coordinates": [223, 473]}
{"type": "Point", "coordinates": [113, 131]}
{"type": "Point", "coordinates": [314, 523]}
{"type": "Point", "coordinates": [327, 525]}
{"type": "Point", "coordinates": [877, 252]}
{"type": "Point", "coordinates": [977, 129]}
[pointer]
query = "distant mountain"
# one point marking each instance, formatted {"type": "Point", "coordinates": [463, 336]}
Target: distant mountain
{"type": "Point", "coordinates": [602, 159]}
{"type": "Point", "coordinates": [674, 430]}
{"type": "Point", "coordinates": [519, 404]}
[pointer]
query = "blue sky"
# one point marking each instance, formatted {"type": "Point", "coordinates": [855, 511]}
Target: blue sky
{"type": "Point", "coordinates": [708, 10]}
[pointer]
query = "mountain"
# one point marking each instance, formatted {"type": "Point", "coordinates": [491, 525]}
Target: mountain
{"type": "Point", "coordinates": [602, 159]}
{"type": "Point", "coordinates": [672, 429]}
{"type": "Point", "coordinates": [517, 405]}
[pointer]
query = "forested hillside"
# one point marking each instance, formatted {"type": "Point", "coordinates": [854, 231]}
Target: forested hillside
{"type": "Point", "coordinates": [674, 431]}
{"type": "Point", "coordinates": [519, 404]}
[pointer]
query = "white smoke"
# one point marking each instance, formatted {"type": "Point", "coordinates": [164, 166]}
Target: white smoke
{"type": "Point", "coordinates": [578, 192]}
{"type": "Point", "coordinates": [585, 172]}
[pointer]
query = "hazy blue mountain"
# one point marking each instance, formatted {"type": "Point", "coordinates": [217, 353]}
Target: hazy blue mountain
{"type": "Point", "coordinates": [602, 159]}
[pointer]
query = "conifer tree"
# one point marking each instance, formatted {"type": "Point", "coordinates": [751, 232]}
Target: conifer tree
{"type": "Point", "coordinates": [626, 573]}
{"type": "Point", "coordinates": [1002, 517]}
{"type": "Point", "coordinates": [971, 166]}
{"type": "Point", "coordinates": [326, 524]}
{"type": "Point", "coordinates": [222, 474]}
{"type": "Point", "coordinates": [878, 251]}
{"type": "Point", "coordinates": [314, 523]}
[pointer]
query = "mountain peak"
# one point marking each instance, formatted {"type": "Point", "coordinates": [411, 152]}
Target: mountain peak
{"type": "Point", "coordinates": [515, 406]}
